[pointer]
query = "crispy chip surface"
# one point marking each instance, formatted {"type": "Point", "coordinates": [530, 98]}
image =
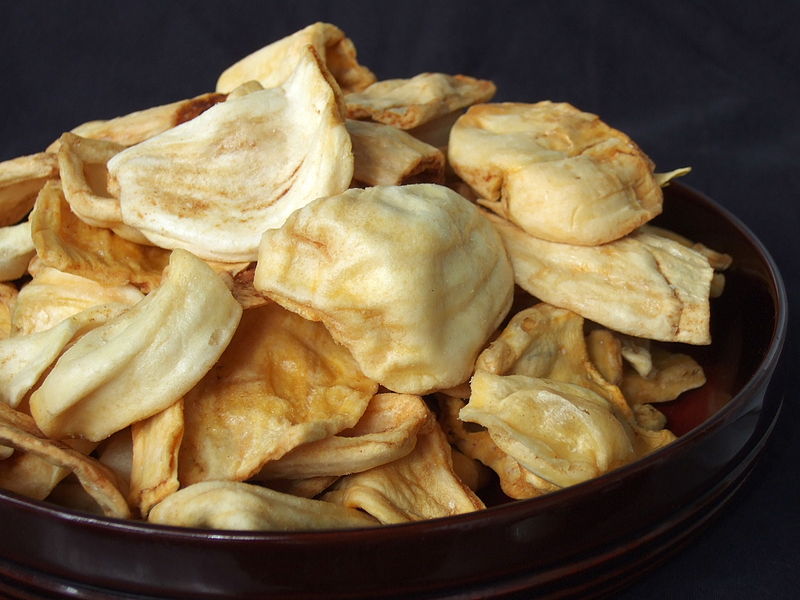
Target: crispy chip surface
{"type": "Point", "coordinates": [242, 506]}
{"type": "Point", "coordinates": [272, 65]}
{"type": "Point", "coordinates": [20, 181]}
{"type": "Point", "coordinates": [411, 279]}
{"type": "Point", "coordinates": [641, 285]}
{"type": "Point", "coordinates": [213, 184]}
{"type": "Point", "coordinates": [142, 361]}
{"type": "Point", "coordinates": [558, 173]}
{"type": "Point", "coordinates": [16, 250]}
{"type": "Point", "coordinates": [421, 485]}
{"type": "Point", "coordinates": [410, 103]}
{"type": "Point", "coordinates": [65, 242]}
{"type": "Point", "coordinates": [562, 432]}
{"type": "Point", "coordinates": [282, 382]}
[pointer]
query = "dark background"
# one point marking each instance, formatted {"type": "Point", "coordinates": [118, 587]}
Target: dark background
{"type": "Point", "coordinates": [714, 85]}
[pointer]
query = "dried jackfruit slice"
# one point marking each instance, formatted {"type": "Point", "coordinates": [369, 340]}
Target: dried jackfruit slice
{"type": "Point", "coordinates": [154, 463]}
{"type": "Point", "coordinates": [547, 342]}
{"type": "Point", "coordinates": [409, 103]}
{"type": "Point", "coordinates": [558, 173]}
{"type": "Point", "coordinates": [16, 250]}
{"type": "Point", "coordinates": [672, 374]}
{"type": "Point", "coordinates": [20, 433]}
{"type": "Point", "coordinates": [241, 506]}
{"type": "Point", "coordinates": [21, 179]}
{"type": "Point", "coordinates": [52, 296]}
{"type": "Point", "coordinates": [642, 285]}
{"type": "Point", "coordinates": [475, 442]}
{"type": "Point", "coordinates": [272, 65]}
{"type": "Point", "coordinates": [83, 165]}
{"type": "Point", "coordinates": [385, 155]}
{"type": "Point", "coordinates": [141, 125]}
{"type": "Point", "coordinates": [385, 432]}
{"type": "Point", "coordinates": [8, 298]}
{"type": "Point", "coordinates": [411, 279]}
{"type": "Point", "coordinates": [65, 242]}
{"type": "Point", "coordinates": [142, 361]}
{"type": "Point", "coordinates": [282, 382]}
{"type": "Point", "coordinates": [214, 184]}
{"type": "Point", "coordinates": [25, 358]}
{"type": "Point", "coordinates": [421, 485]}
{"type": "Point", "coordinates": [562, 432]}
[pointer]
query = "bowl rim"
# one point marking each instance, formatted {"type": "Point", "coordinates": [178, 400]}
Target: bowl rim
{"type": "Point", "coordinates": [510, 510]}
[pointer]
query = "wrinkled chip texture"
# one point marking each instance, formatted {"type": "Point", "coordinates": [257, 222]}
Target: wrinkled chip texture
{"type": "Point", "coordinates": [411, 279]}
{"type": "Point", "coordinates": [213, 184]}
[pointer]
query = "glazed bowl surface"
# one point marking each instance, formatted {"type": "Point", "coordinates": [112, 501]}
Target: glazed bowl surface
{"type": "Point", "coordinates": [586, 540]}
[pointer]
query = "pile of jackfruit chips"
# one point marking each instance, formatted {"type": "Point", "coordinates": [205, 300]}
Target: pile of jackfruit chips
{"type": "Point", "coordinates": [315, 300]}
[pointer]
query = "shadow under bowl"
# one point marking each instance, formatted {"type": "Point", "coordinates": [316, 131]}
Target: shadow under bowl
{"type": "Point", "coordinates": [583, 541]}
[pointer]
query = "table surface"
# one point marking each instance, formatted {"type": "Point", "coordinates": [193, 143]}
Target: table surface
{"type": "Point", "coordinates": [712, 85]}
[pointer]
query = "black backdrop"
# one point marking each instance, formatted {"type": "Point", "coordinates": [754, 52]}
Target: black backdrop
{"type": "Point", "coordinates": [714, 85]}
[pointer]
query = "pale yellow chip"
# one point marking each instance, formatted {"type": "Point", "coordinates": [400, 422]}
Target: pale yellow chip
{"type": "Point", "coordinates": [96, 479]}
{"type": "Point", "coordinates": [20, 181]}
{"type": "Point", "coordinates": [547, 342]}
{"type": "Point", "coordinates": [558, 173]}
{"type": "Point", "coordinates": [305, 488]}
{"type": "Point", "coordinates": [65, 242]}
{"type": "Point", "coordinates": [421, 485]}
{"type": "Point", "coordinates": [409, 103]}
{"type": "Point", "coordinates": [141, 125]}
{"type": "Point", "coordinates": [8, 298]}
{"type": "Point", "coordinates": [83, 164]}
{"type": "Point", "coordinates": [272, 65]}
{"type": "Point", "coordinates": [642, 285]}
{"type": "Point", "coordinates": [386, 155]}
{"type": "Point", "coordinates": [605, 351]}
{"type": "Point", "coordinates": [385, 432]}
{"type": "Point", "coordinates": [142, 361]}
{"type": "Point", "coordinates": [241, 506]}
{"type": "Point", "coordinates": [213, 184]}
{"type": "Point", "coordinates": [154, 465]}
{"type": "Point", "coordinates": [411, 279]}
{"type": "Point", "coordinates": [52, 296]}
{"type": "Point", "coordinates": [672, 374]}
{"type": "Point", "coordinates": [562, 432]}
{"type": "Point", "coordinates": [16, 250]}
{"type": "Point", "coordinates": [26, 357]}
{"type": "Point", "coordinates": [282, 382]}
{"type": "Point", "coordinates": [475, 442]}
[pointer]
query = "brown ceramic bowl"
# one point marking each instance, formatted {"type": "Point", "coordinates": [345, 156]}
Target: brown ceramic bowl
{"type": "Point", "coordinates": [582, 541]}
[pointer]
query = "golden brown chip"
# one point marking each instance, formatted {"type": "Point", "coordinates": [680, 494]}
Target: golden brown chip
{"type": "Point", "coordinates": [421, 485]}
{"type": "Point", "coordinates": [475, 442]}
{"type": "Point", "coordinates": [411, 279]}
{"type": "Point", "coordinates": [672, 374]}
{"type": "Point", "coordinates": [20, 181]}
{"type": "Point", "coordinates": [547, 342]}
{"type": "Point", "coordinates": [96, 479]}
{"type": "Point", "coordinates": [558, 173]}
{"type": "Point", "coordinates": [385, 432]}
{"type": "Point", "coordinates": [65, 242]}
{"type": "Point", "coordinates": [143, 360]}
{"type": "Point", "coordinates": [305, 488]}
{"type": "Point", "coordinates": [642, 285]}
{"type": "Point", "coordinates": [272, 65]}
{"type": "Point", "coordinates": [282, 382]}
{"type": "Point", "coordinates": [242, 506]}
{"type": "Point", "coordinates": [564, 433]}
{"type": "Point", "coordinates": [52, 296]}
{"type": "Point", "coordinates": [213, 184]}
{"type": "Point", "coordinates": [408, 103]}
{"type": "Point", "coordinates": [154, 467]}
{"type": "Point", "coordinates": [385, 155]}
